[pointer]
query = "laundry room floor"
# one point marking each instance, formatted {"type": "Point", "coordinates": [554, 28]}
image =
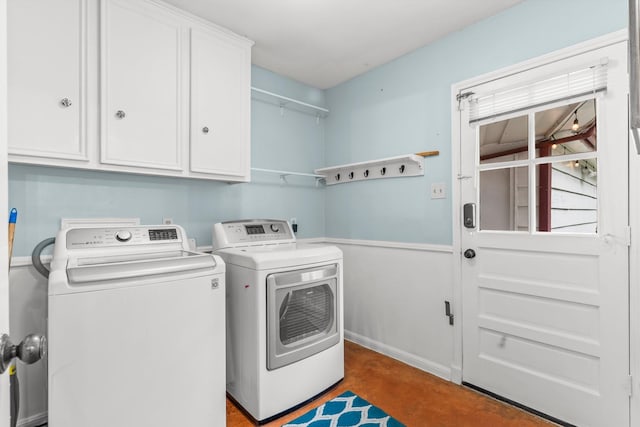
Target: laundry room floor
{"type": "Point", "coordinates": [412, 396]}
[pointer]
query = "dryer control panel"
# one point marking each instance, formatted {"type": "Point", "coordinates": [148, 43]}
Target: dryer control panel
{"type": "Point", "coordinates": [251, 232]}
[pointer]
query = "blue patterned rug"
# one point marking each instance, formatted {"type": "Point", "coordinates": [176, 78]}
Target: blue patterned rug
{"type": "Point", "coordinates": [346, 410]}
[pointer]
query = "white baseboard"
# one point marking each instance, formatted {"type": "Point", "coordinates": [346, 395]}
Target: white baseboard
{"type": "Point", "coordinates": [34, 420]}
{"type": "Point", "coordinates": [456, 374]}
{"type": "Point", "coordinates": [401, 355]}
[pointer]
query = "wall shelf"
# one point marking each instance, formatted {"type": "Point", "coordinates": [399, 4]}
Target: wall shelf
{"type": "Point", "coordinates": [391, 167]}
{"type": "Point", "coordinates": [285, 101]}
{"type": "Point", "coordinates": [285, 174]}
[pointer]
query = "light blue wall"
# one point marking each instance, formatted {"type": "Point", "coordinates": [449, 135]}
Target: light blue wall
{"type": "Point", "coordinates": [399, 108]}
{"type": "Point", "coordinates": [292, 141]}
{"type": "Point", "coordinates": [404, 107]}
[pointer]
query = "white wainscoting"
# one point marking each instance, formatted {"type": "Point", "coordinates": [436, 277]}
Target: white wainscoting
{"type": "Point", "coordinates": [394, 297]}
{"type": "Point", "coordinates": [28, 314]}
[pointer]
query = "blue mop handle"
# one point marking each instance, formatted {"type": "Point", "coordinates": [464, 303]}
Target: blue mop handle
{"type": "Point", "coordinates": [13, 216]}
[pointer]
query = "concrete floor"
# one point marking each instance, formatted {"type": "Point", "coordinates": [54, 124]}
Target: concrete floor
{"type": "Point", "coordinates": [413, 397]}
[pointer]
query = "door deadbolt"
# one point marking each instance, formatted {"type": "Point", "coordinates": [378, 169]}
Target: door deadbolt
{"type": "Point", "coordinates": [469, 215]}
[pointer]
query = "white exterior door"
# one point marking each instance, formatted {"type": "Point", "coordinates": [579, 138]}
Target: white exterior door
{"type": "Point", "coordinates": [544, 268]}
{"type": "Point", "coordinates": [4, 254]}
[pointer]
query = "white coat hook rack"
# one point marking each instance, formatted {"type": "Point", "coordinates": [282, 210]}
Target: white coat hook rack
{"type": "Point", "coordinates": [391, 167]}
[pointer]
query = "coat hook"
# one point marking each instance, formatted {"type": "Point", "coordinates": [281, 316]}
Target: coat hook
{"type": "Point", "coordinates": [402, 169]}
{"type": "Point", "coordinates": [366, 173]}
{"type": "Point", "coordinates": [350, 175]}
{"type": "Point", "coordinates": [337, 177]}
{"type": "Point", "coordinates": [383, 171]}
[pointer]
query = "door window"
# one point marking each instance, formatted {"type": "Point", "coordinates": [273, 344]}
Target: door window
{"type": "Point", "coordinates": [539, 171]}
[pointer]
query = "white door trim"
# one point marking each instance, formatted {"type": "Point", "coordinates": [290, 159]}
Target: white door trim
{"type": "Point", "coordinates": [4, 189]}
{"type": "Point", "coordinates": [460, 87]}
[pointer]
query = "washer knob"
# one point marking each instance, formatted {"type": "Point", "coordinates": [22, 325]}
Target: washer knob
{"type": "Point", "coordinates": [275, 228]}
{"type": "Point", "coordinates": [123, 236]}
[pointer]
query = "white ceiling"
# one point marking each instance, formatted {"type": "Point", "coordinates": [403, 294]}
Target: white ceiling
{"type": "Point", "coordinates": [325, 42]}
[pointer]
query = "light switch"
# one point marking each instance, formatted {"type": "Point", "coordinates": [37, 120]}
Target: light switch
{"type": "Point", "coordinates": [438, 191]}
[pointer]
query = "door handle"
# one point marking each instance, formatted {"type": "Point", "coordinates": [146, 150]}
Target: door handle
{"type": "Point", "coordinates": [30, 350]}
{"type": "Point", "coordinates": [469, 253]}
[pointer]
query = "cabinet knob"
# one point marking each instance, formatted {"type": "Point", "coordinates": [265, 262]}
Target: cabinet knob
{"type": "Point", "coordinates": [205, 130]}
{"type": "Point", "coordinates": [120, 114]}
{"type": "Point", "coordinates": [65, 102]}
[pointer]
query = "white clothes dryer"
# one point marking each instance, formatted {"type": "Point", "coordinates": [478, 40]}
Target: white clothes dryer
{"type": "Point", "coordinates": [285, 340]}
{"type": "Point", "coordinates": [136, 330]}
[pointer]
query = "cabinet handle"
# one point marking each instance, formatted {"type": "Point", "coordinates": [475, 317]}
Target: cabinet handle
{"type": "Point", "coordinates": [65, 102]}
{"type": "Point", "coordinates": [205, 130]}
{"type": "Point", "coordinates": [120, 114]}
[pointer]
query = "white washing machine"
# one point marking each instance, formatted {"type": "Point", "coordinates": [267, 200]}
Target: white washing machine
{"type": "Point", "coordinates": [136, 330]}
{"type": "Point", "coordinates": [284, 316]}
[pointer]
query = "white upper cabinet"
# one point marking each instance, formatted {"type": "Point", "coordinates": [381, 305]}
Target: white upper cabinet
{"type": "Point", "coordinates": [127, 85]}
{"type": "Point", "coordinates": [141, 100]}
{"type": "Point", "coordinates": [220, 103]}
{"type": "Point", "coordinates": [46, 80]}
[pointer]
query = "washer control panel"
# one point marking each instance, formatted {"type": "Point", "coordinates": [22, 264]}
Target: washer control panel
{"type": "Point", "coordinates": [249, 232]}
{"type": "Point", "coordinates": [120, 236]}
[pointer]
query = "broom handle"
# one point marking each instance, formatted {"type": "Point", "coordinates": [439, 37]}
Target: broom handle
{"type": "Point", "coordinates": [13, 216]}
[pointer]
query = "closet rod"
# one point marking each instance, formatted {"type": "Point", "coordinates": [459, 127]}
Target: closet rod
{"type": "Point", "coordinates": [286, 173]}
{"type": "Point", "coordinates": [285, 98]}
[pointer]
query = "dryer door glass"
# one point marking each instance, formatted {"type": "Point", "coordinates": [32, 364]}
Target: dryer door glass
{"type": "Point", "coordinates": [302, 314]}
{"type": "Point", "coordinates": [305, 312]}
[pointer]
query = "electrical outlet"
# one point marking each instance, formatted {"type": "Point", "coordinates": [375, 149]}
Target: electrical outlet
{"type": "Point", "coordinates": [167, 221]}
{"type": "Point", "coordinates": [438, 191]}
{"type": "Point", "coordinates": [192, 244]}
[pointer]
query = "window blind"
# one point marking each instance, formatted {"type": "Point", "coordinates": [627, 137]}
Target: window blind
{"type": "Point", "coordinates": [576, 84]}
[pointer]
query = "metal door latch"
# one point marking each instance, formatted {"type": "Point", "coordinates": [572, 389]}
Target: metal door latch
{"type": "Point", "coordinates": [447, 311]}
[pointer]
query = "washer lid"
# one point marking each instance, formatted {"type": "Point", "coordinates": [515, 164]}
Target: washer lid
{"type": "Point", "coordinates": [279, 256]}
{"type": "Point", "coordinates": [98, 269]}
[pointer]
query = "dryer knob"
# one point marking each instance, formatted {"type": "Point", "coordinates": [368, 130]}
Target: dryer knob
{"type": "Point", "coordinates": [275, 228]}
{"type": "Point", "coordinates": [123, 236]}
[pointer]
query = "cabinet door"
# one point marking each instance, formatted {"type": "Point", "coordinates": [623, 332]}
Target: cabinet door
{"type": "Point", "coordinates": [141, 85]}
{"type": "Point", "coordinates": [46, 78]}
{"type": "Point", "coordinates": [220, 105]}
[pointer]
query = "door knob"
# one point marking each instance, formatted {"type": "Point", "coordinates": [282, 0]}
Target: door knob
{"type": "Point", "coordinates": [469, 253]}
{"type": "Point", "coordinates": [30, 350]}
